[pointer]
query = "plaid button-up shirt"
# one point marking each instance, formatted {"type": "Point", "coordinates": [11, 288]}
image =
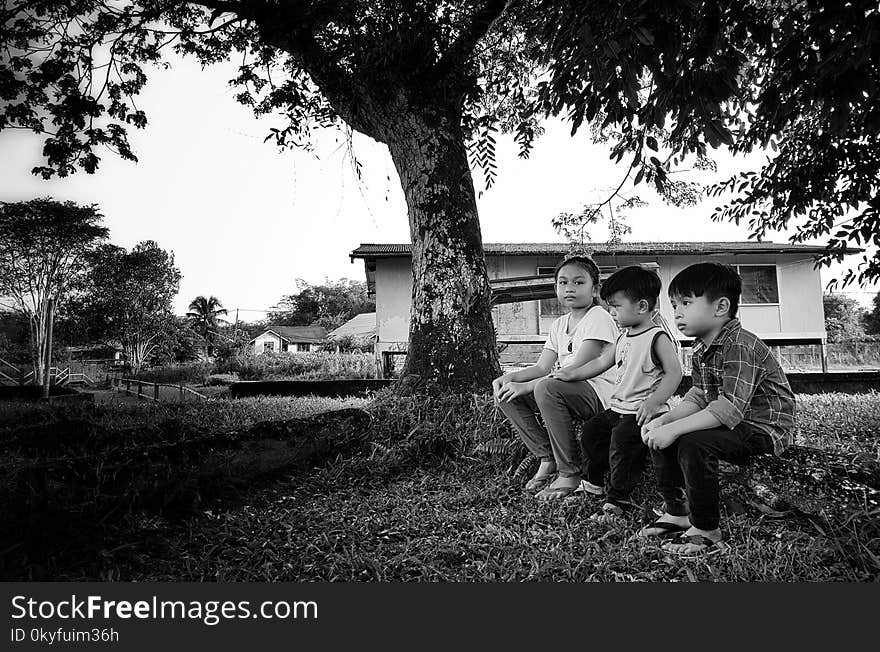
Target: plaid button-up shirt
{"type": "Point", "coordinates": [738, 380]}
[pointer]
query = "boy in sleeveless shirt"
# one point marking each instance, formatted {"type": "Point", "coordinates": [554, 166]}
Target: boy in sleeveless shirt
{"type": "Point", "coordinates": [647, 373]}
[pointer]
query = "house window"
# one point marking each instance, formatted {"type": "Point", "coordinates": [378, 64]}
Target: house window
{"type": "Point", "coordinates": [302, 347]}
{"type": "Point", "coordinates": [284, 346]}
{"type": "Point", "coordinates": [759, 284]}
{"type": "Point", "coordinates": [268, 347]}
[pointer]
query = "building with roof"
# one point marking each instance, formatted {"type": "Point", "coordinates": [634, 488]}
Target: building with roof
{"type": "Point", "coordinates": [360, 328]}
{"type": "Point", "coordinates": [781, 300]}
{"type": "Point", "coordinates": [278, 339]}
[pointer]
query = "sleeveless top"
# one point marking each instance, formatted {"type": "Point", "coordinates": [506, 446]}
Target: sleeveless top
{"type": "Point", "coordinates": [637, 370]}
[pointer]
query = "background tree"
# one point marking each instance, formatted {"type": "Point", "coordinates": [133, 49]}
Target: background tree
{"type": "Point", "coordinates": [44, 250]}
{"type": "Point", "coordinates": [871, 318]}
{"type": "Point", "coordinates": [204, 315]}
{"type": "Point", "coordinates": [177, 343]}
{"type": "Point", "coordinates": [128, 298]}
{"type": "Point", "coordinates": [843, 318]}
{"type": "Point", "coordinates": [411, 75]}
{"type": "Point", "coordinates": [672, 80]}
{"type": "Point", "coordinates": [329, 304]}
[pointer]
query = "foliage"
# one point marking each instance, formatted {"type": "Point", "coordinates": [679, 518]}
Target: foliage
{"type": "Point", "coordinates": [330, 304]}
{"type": "Point", "coordinates": [204, 315]}
{"type": "Point", "coordinates": [176, 344]}
{"type": "Point", "coordinates": [128, 298]}
{"type": "Point", "coordinates": [798, 77]}
{"type": "Point", "coordinates": [843, 318]}
{"type": "Point", "coordinates": [44, 249]}
{"type": "Point", "coordinates": [193, 373]}
{"type": "Point", "coordinates": [349, 344]}
{"type": "Point", "coordinates": [871, 318]}
{"type": "Point", "coordinates": [314, 365]}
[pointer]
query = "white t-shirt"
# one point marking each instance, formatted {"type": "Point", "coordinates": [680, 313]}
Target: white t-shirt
{"type": "Point", "coordinates": [597, 324]}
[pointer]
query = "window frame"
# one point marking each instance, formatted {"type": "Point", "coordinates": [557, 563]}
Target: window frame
{"type": "Point", "coordinates": [778, 284]}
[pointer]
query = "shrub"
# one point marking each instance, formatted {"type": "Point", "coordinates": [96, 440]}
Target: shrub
{"type": "Point", "coordinates": [221, 379]}
{"type": "Point", "coordinates": [193, 373]}
{"type": "Point", "coordinates": [313, 365]}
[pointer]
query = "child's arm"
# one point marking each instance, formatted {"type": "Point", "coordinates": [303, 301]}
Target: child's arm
{"type": "Point", "coordinates": [518, 383]}
{"type": "Point", "coordinates": [665, 353]}
{"type": "Point", "coordinates": [661, 436]}
{"type": "Point", "coordinates": [593, 358]}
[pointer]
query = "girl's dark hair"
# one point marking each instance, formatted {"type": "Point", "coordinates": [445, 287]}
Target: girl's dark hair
{"type": "Point", "coordinates": [714, 280]}
{"type": "Point", "coordinates": [635, 282]}
{"type": "Point", "coordinates": [582, 262]}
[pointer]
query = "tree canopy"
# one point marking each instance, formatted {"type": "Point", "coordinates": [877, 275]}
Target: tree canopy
{"type": "Point", "coordinates": [329, 304]}
{"type": "Point", "coordinates": [205, 316]}
{"type": "Point", "coordinates": [675, 79]}
{"type": "Point", "coordinates": [44, 251]}
{"type": "Point", "coordinates": [434, 80]}
{"type": "Point", "coordinates": [128, 298]}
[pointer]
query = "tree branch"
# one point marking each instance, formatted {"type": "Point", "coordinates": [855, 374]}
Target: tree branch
{"type": "Point", "coordinates": [463, 46]}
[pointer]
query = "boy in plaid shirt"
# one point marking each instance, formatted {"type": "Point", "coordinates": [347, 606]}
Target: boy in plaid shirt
{"type": "Point", "coordinates": [740, 405]}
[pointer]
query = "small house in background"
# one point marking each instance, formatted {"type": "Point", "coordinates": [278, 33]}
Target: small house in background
{"type": "Point", "coordinates": [781, 300]}
{"type": "Point", "coordinates": [360, 329]}
{"type": "Point", "coordinates": [281, 339]}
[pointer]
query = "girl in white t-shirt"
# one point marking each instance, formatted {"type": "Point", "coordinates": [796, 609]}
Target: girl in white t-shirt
{"type": "Point", "coordinates": [575, 339]}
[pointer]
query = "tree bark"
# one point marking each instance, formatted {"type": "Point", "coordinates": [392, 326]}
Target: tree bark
{"type": "Point", "coordinates": [451, 336]}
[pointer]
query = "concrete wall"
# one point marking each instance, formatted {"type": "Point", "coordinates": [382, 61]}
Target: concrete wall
{"type": "Point", "coordinates": [798, 314]}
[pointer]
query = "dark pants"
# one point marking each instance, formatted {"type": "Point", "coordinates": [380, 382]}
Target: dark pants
{"type": "Point", "coordinates": [613, 441]}
{"type": "Point", "coordinates": [687, 471]}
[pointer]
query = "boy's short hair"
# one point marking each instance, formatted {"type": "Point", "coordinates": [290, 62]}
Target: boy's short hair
{"type": "Point", "coordinates": [712, 280]}
{"type": "Point", "coordinates": [635, 282]}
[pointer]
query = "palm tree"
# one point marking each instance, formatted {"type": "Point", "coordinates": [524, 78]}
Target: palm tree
{"type": "Point", "coordinates": [204, 315]}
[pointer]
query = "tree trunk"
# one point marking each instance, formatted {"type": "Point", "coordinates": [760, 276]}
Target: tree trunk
{"type": "Point", "coordinates": [451, 336]}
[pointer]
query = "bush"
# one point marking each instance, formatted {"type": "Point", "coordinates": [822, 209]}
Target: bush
{"type": "Point", "coordinates": [303, 366]}
{"type": "Point", "coordinates": [221, 379]}
{"type": "Point", "coordinates": [194, 373]}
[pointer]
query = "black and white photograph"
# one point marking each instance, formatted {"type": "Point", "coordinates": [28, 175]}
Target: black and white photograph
{"type": "Point", "coordinates": [484, 291]}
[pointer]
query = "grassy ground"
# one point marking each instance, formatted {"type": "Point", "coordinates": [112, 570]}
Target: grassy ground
{"type": "Point", "coordinates": [422, 504]}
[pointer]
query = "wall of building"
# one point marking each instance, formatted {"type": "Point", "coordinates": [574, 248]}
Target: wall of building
{"type": "Point", "coordinates": [798, 313]}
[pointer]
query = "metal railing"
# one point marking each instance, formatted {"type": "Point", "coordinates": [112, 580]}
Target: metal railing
{"type": "Point", "coordinates": [125, 385]}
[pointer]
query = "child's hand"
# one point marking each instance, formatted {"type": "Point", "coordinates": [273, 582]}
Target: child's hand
{"type": "Point", "coordinates": [651, 425]}
{"type": "Point", "coordinates": [496, 387]}
{"type": "Point", "coordinates": [659, 437]}
{"type": "Point", "coordinates": [648, 410]}
{"type": "Point", "coordinates": [565, 373]}
{"type": "Point", "coordinates": [511, 390]}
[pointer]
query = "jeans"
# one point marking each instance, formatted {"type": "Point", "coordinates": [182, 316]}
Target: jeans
{"type": "Point", "coordinates": [558, 402]}
{"type": "Point", "coordinates": [687, 471]}
{"type": "Point", "coordinates": [613, 441]}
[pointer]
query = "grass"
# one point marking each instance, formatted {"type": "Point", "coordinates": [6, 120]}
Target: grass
{"type": "Point", "coordinates": [423, 503]}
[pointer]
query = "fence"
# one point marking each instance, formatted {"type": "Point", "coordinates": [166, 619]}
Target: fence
{"type": "Point", "coordinates": [154, 393]}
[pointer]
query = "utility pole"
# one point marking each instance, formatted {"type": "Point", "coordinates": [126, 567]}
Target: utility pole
{"type": "Point", "coordinates": [235, 329]}
{"type": "Point", "coordinates": [50, 318]}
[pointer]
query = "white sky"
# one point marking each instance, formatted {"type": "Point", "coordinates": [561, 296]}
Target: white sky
{"type": "Point", "coordinates": [244, 220]}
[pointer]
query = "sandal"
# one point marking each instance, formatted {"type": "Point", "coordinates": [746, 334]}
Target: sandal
{"type": "Point", "coordinates": [609, 514]}
{"type": "Point", "coordinates": [538, 482]}
{"type": "Point", "coordinates": [693, 546]}
{"type": "Point", "coordinates": [554, 493]}
{"type": "Point", "coordinates": [666, 529]}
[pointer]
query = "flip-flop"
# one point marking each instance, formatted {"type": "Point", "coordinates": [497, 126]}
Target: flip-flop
{"type": "Point", "coordinates": [538, 482]}
{"type": "Point", "coordinates": [666, 529]}
{"type": "Point", "coordinates": [609, 514]}
{"type": "Point", "coordinates": [693, 546]}
{"type": "Point", "coordinates": [554, 493]}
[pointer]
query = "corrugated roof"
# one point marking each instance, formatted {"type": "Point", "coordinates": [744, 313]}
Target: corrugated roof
{"type": "Point", "coordinates": [362, 325]}
{"type": "Point", "coordinates": [372, 250]}
{"type": "Point", "coordinates": [304, 334]}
